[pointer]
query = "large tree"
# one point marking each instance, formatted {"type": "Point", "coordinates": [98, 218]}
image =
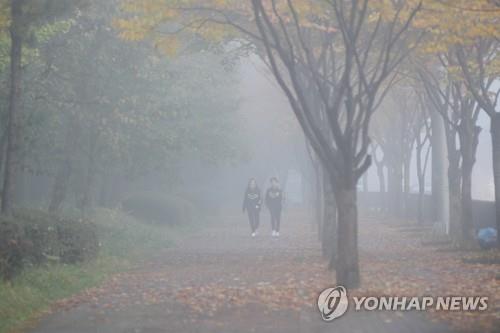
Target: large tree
{"type": "Point", "coordinates": [23, 16]}
{"type": "Point", "coordinates": [100, 114]}
{"type": "Point", "coordinates": [467, 35]}
{"type": "Point", "coordinates": [347, 52]}
{"type": "Point", "coordinates": [460, 113]}
{"type": "Point", "coordinates": [339, 52]}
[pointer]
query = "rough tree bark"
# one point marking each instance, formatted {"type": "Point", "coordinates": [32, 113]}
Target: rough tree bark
{"type": "Point", "coordinates": [319, 204]}
{"type": "Point", "coordinates": [11, 158]}
{"type": "Point", "coordinates": [469, 136]}
{"type": "Point", "coordinates": [454, 193]}
{"type": "Point", "coordinates": [421, 164]}
{"type": "Point", "coordinates": [329, 225]}
{"type": "Point", "coordinates": [347, 264]}
{"type": "Point", "coordinates": [495, 141]}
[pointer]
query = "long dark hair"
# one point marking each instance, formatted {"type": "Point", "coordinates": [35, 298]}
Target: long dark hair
{"type": "Point", "coordinates": [256, 185]}
{"type": "Point", "coordinates": [275, 179]}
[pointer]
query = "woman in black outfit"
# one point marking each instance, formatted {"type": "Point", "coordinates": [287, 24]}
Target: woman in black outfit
{"type": "Point", "coordinates": [252, 204]}
{"type": "Point", "coordinates": [274, 202]}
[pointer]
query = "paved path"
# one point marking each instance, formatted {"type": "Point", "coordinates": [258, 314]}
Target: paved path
{"type": "Point", "coordinates": [220, 280]}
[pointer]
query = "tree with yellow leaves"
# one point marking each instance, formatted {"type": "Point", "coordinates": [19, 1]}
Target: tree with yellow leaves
{"type": "Point", "coordinates": [465, 36]}
{"type": "Point", "coordinates": [336, 53]}
{"type": "Point", "coordinates": [20, 18]}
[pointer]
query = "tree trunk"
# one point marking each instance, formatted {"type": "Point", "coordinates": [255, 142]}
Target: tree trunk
{"type": "Point", "coordinates": [406, 185]}
{"type": "Point", "coordinates": [365, 182]}
{"type": "Point", "coordinates": [455, 208]}
{"type": "Point", "coordinates": [347, 266]}
{"type": "Point", "coordinates": [382, 190]}
{"type": "Point", "coordinates": [116, 190]}
{"type": "Point", "coordinates": [14, 106]}
{"type": "Point", "coordinates": [395, 184]}
{"type": "Point", "coordinates": [495, 139]}
{"type": "Point", "coordinates": [467, 149]}
{"type": "Point", "coordinates": [105, 189]}
{"type": "Point", "coordinates": [319, 198]}
{"type": "Point", "coordinates": [440, 205]}
{"type": "Point", "coordinates": [329, 229]}
{"type": "Point", "coordinates": [20, 191]}
{"type": "Point", "coordinates": [60, 185]}
{"type": "Point", "coordinates": [466, 196]}
{"type": "Point", "coordinates": [381, 179]}
{"type": "Point", "coordinates": [421, 182]}
{"type": "Point", "coordinates": [65, 168]}
{"type": "Point", "coordinates": [86, 197]}
{"type": "Point", "coordinates": [86, 201]}
{"type": "Point", "coordinates": [421, 166]}
{"type": "Point", "coordinates": [420, 203]}
{"type": "Point", "coordinates": [3, 144]}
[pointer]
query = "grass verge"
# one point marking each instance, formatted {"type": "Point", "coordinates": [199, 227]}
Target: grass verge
{"type": "Point", "coordinates": [123, 241]}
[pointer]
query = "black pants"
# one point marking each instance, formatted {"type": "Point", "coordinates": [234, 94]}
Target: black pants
{"type": "Point", "coordinates": [253, 217]}
{"type": "Point", "coordinates": [275, 218]}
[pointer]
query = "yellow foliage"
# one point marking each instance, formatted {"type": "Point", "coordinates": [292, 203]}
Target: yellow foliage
{"type": "Point", "coordinates": [457, 22]}
{"type": "Point", "coordinates": [149, 18]}
{"type": "Point", "coordinates": [168, 45]}
{"type": "Point", "coordinates": [449, 24]}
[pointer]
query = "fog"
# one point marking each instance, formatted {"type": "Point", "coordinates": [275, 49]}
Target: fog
{"type": "Point", "coordinates": [249, 166]}
{"type": "Point", "coordinates": [273, 145]}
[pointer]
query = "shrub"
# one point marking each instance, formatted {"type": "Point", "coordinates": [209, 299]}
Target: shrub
{"type": "Point", "coordinates": [14, 248]}
{"type": "Point", "coordinates": [40, 229]}
{"type": "Point", "coordinates": [78, 240]}
{"type": "Point", "coordinates": [34, 237]}
{"type": "Point", "coordinates": [158, 208]}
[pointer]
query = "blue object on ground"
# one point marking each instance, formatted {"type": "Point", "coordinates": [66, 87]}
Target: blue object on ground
{"type": "Point", "coordinates": [487, 237]}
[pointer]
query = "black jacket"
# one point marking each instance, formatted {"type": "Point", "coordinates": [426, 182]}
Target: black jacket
{"type": "Point", "coordinates": [274, 198]}
{"type": "Point", "coordinates": [252, 199]}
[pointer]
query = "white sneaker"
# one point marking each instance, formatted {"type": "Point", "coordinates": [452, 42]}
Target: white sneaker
{"type": "Point", "coordinates": [277, 234]}
{"type": "Point", "coordinates": [253, 234]}
{"type": "Point", "coordinates": [273, 234]}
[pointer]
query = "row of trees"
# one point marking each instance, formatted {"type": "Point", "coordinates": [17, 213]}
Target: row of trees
{"type": "Point", "coordinates": [332, 60]}
{"type": "Point", "coordinates": [336, 61]}
{"type": "Point", "coordinates": [452, 77]}
{"type": "Point", "coordinates": [90, 115]}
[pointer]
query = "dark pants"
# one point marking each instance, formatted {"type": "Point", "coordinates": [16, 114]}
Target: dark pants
{"type": "Point", "coordinates": [253, 217]}
{"type": "Point", "coordinates": [275, 218]}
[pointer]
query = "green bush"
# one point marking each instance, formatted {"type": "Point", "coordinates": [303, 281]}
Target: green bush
{"type": "Point", "coordinates": [159, 208]}
{"type": "Point", "coordinates": [41, 231]}
{"type": "Point", "coordinates": [14, 248]}
{"type": "Point", "coordinates": [34, 237]}
{"type": "Point", "coordinates": [123, 240]}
